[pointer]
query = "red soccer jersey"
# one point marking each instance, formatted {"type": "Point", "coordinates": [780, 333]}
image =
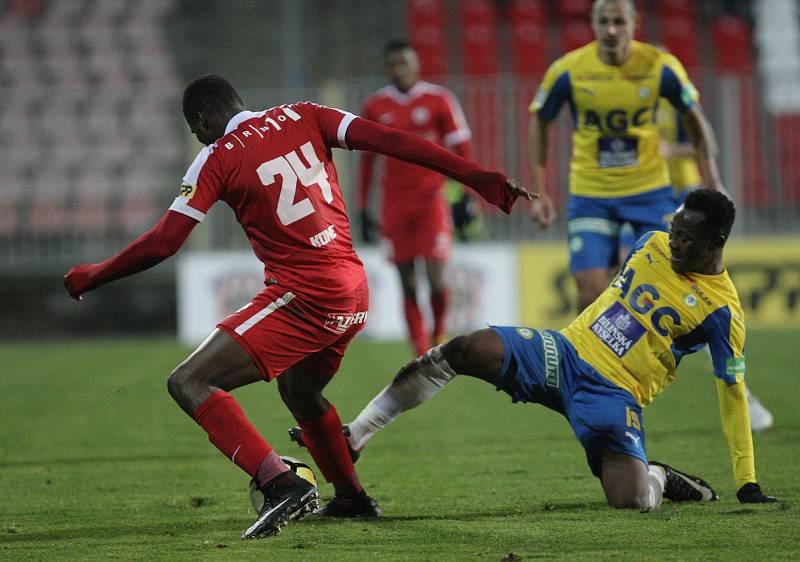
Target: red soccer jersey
{"type": "Point", "coordinates": [275, 170]}
{"type": "Point", "coordinates": [428, 110]}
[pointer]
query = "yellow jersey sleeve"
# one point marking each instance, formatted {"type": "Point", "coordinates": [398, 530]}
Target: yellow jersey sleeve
{"type": "Point", "coordinates": [736, 426]}
{"type": "Point", "coordinates": [554, 90]}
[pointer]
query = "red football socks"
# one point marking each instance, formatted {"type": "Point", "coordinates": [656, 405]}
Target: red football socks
{"type": "Point", "coordinates": [270, 467]}
{"type": "Point", "coordinates": [230, 431]}
{"type": "Point", "coordinates": [439, 301]}
{"type": "Point", "coordinates": [416, 326]}
{"type": "Point", "coordinates": [324, 439]}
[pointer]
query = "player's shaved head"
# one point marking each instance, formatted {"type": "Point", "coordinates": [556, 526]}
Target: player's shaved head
{"type": "Point", "coordinates": [718, 211]}
{"type": "Point", "coordinates": [210, 93]}
{"type": "Point", "coordinates": [598, 5]}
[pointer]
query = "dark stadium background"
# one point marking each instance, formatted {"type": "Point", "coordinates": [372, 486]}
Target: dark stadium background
{"type": "Point", "coordinates": [93, 145]}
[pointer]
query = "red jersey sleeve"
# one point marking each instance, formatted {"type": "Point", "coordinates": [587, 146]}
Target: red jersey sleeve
{"type": "Point", "coordinates": [201, 186]}
{"type": "Point", "coordinates": [374, 137]}
{"type": "Point", "coordinates": [454, 129]}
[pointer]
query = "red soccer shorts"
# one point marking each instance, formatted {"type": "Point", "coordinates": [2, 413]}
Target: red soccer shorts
{"type": "Point", "coordinates": [279, 329]}
{"type": "Point", "coordinates": [413, 229]}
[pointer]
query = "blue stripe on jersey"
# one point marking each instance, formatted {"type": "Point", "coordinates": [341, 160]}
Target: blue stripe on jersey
{"type": "Point", "coordinates": [560, 92]}
{"type": "Point", "coordinates": [636, 247]}
{"type": "Point", "coordinates": [716, 331]}
{"type": "Point", "coordinates": [673, 90]}
{"type": "Point", "coordinates": [680, 130]}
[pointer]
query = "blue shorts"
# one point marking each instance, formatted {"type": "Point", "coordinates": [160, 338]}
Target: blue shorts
{"type": "Point", "coordinates": [627, 235]}
{"type": "Point", "coordinates": [541, 366]}
{"type": "Point", "coordinates": [594, 225]}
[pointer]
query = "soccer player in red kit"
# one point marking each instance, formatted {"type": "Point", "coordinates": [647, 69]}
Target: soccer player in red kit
{"type": "Point", "coordinates": [274, 168]}
{"type": "Point", "coordinates": [415, 216]}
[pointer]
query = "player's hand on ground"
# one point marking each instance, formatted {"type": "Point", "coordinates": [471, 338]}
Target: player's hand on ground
{"type": "Point", "coordinates": [369, 227]}
{"type": "Point", "coordinates": [76, 280]}
{"type": "Point", "coordinates": [751, 493]}
{"type": "Point", "coordinates": [543, 211]}
{"type": "Point", "coordinates": [516, 188]}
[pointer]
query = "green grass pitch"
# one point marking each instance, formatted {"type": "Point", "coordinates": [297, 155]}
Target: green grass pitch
{"type": "Point", "coordinates": [97, 463]}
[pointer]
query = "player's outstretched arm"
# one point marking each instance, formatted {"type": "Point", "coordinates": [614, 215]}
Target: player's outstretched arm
{"type": "Point", "coordinates": [495, 187]}
{"type": "Point", "coordinates": [151, 248]}
{"type": "Point", "coordinates": [705, 145]}
{"type": "Point", "coordinates": [543, 211]}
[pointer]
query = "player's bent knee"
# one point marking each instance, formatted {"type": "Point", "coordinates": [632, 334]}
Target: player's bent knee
{"type": "Point", "coordinates": [456, 352]}
{"type": "Point", "coordinates": [479, 354]}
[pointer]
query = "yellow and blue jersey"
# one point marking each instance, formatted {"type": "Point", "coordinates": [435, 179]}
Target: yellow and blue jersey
{"type": "Point", "coordinates": [640, 327]}
{"type": "Point", "coordinates": [683, 170]}
{"type": "Point", "coordinates": [615, 141]}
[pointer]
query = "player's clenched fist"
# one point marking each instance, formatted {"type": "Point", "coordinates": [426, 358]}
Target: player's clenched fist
{"type": "Point", "coordinates": [77, 280]}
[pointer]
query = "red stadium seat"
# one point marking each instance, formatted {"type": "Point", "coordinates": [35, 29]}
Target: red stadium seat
{"type": "Point", "coordinates": [787, 131]}
{"type": "Point", "coordinates": [668, 9]}
{"type": "Point", "coordinates": [572, 10]}
{"type": "Point", "coordinates": [427, 32]}
{"type": "Point", "coordinates": [733, 50]}
{"type": "Point", "coordinates": [478, 37]}
{"type": "Point", "coordinates": [528, 37]}
{"type": "Point", "coordinates": [680, 35]}
{"type": "Point", "coordinates": [575, 34]}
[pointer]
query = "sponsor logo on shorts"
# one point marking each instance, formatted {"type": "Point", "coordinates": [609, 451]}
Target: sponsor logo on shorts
{"type": "Point", "coordinates": [340, 322]}
{"type": "Point", "coordinates": [617, 329]}
{"type": "Point", "coordinates": [552, 361]}
{"type": "Point", "coordinates": [633, 438]}
{"type": "Point", "coordinates": [525, 333]}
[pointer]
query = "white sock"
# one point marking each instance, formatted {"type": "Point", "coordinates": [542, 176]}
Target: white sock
{"type": "Point", "coordinates": [658, 481]}
{"type": "Point", "coordinates": [413, 385]}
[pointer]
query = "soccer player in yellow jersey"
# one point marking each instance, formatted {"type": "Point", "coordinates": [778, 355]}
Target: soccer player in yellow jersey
{"type": "Point", "coordinates": [672, 297]}
{"type": "Point", "coordinates": [617, 173]}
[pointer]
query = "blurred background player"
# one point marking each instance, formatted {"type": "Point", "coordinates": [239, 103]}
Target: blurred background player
{"type": "Point", "coordinates": [617, 172]}
{"type": "Point", "coordinates": [415, 215]}
{"type": "Point", "coordinates": [275, 170]}
{"type": "Point", "coordinates": [614, 359]}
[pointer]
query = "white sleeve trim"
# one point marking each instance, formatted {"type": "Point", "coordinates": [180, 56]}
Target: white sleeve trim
{"type": "Point", "coordinates": [455, 137]}
{"type": "Point", "coordinates": [194, 170]}
{"type": "Point", "coordinates": [181, 205]}
{"type": "Point", "coordinates": [342, 131]}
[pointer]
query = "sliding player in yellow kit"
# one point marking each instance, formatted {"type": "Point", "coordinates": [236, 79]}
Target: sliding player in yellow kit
{"type": "Point", "coordinates": [671, 298]}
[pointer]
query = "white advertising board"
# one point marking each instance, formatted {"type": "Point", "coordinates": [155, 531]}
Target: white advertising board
{"type": "Point", "coordinates": [483, 280]}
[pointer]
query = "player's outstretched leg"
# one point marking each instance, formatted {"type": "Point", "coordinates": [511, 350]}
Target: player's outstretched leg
{"type": "Point", "coordinates": [479, 355]}
{"type": "Point", "coordinates": [683, 487]}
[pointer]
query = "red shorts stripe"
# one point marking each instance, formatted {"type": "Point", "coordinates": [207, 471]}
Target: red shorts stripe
{"type": "Point", "coordinates": [279, 329]}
